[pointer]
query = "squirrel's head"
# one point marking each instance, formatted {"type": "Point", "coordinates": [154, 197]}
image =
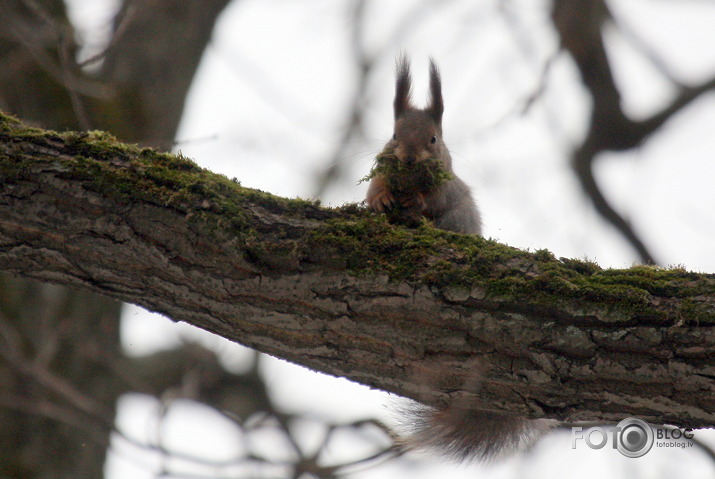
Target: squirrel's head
{"type": "Point", "coordinates": [418, 132]}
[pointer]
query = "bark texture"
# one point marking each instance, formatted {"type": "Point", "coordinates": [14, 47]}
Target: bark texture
{"type": "Point", "coordinates": [421, 313]}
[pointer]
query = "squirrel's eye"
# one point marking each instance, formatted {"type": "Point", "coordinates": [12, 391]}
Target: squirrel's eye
{"type": "Point", "coordinates": [394, 136]}
{"type": "Point", "coordinates": [433, 140]}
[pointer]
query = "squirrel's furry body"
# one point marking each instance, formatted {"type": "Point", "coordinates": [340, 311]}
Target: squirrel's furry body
{"type": "Point", "coordinates": [455, 430]}
{"type": "Point", "coordinates": [418, 138]}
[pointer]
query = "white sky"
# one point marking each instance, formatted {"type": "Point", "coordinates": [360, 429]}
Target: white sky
{"type": "Point", "coordinates": [268, 106]}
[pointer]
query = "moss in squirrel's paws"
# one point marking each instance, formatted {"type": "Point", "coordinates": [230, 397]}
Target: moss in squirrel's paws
{"type": "Point", "coordinates": [402, 177]}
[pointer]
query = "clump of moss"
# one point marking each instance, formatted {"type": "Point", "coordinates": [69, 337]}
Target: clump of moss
{"type": "Point", "coordinates": [408, 183]}
{"type": "Point", "coordinates": [404, 179]}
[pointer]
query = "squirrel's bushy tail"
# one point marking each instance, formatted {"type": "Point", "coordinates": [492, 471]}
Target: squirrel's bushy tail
{"type": "Point", "coordinates": [464, 434]}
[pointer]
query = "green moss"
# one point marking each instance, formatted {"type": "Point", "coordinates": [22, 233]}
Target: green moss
{"type": "Point", "coordinates": [9, 123]}
{"type": "Point", "coordinates": [584, 267]}
{"type": "Point", "coordinates": [128, 173]}
{"type": "Point", "coordinates": [691, 312]}
{"type": "Point", "coordinates": [441, 259]}
{"type": "Point", "coordinates": [369, 244]}
{"type": "Point", "coordinates": [652, 279]}
{"type": "Point", "coordinates": [403, 178]}
{"type": "Point", "coordinates": [408, 184]}
{"type": "Point", "coordinates": [351, 237]}
{"type": "Point", "coordinates": [544, 255]}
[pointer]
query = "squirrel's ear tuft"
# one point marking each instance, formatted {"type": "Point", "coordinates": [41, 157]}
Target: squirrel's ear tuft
{"type": "Point", "coordinates": [403, 86]}
{"type": "Point", "coordinates": [436, 106]}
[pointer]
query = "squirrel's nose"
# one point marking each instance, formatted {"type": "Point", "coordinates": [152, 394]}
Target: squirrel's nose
{"type": "Point", "coordinates": [410, 160]}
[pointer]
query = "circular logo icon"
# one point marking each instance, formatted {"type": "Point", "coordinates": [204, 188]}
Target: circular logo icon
{"type": "Point", "coordinates": [635, 437]}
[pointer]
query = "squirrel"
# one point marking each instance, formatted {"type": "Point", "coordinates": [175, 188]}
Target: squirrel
{"type": "Point", "coordinates": [457, 431]}
{"type": "Point", "coordinates": [410, 192]}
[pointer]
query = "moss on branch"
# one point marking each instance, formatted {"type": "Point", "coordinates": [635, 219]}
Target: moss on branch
{"type": "Point", "coordinates": [350, 237]}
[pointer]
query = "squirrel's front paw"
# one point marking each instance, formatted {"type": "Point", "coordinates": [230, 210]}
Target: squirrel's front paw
{"type": "Point", "coordinates": [417, 202]}
{"type": "Point", "coordinates": [381, 201]}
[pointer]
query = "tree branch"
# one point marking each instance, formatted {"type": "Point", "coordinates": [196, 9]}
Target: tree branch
{"type": "Point", "coordinates": [416, 312]}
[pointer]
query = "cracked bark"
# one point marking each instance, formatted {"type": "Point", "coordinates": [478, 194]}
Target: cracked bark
{"type": "Point", "coordinates": [318, 287]}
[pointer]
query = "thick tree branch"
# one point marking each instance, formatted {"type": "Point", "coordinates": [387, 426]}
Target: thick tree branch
{"type": "Point", "coordinates": [416, 312]}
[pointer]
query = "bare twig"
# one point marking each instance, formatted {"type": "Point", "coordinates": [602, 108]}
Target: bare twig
{"type": "Point", "coordinates": [66, 54]}
{"type": "Point", "coordinates": [14, 355]}
{"type": "Point", "coordinates": [36, 41]}
{"type": "Point", "coordinates": [51, 410]}
{"type": "Point", "coordinates": [119, 31]}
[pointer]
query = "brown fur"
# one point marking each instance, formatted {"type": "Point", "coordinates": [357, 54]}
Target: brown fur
{"type": "Point", "coordinates": [464, 434]}
{"type": "Point", "coordinates": [417, 137]}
